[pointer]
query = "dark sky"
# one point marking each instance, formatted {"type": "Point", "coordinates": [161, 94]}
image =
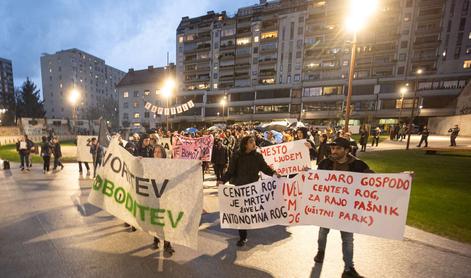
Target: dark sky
{"type": "Point", "coordinates": [126, 34]}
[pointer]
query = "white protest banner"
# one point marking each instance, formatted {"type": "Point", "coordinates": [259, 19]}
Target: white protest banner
{"type": "Point", "coordinates": [371, 204]}
{"type": "Point", "coordinates": [287, 158]}
{"type": "Point", "coordinates": [153, 109]}
{"type": "Point", "coordinates": [166, 111]}
{"type": "Point", "coordinates": [148, 105]}
{"type": "Point", "coordinates": [160, 111]}
{"type": "Point", "coordinates": [179, 109]}
{"type": "Point", "coordinates": [163, 197]}
{"type": "Point", "coordinates": [185, 107]}
{"type": "Point", "coordinates": [173, 111]}
{"type": "Point", "coordinates": [199, 148]}
{"type": "Point", "coordinates": [165, 142]}
{"type": "Point", "coordinates": [83, 148]}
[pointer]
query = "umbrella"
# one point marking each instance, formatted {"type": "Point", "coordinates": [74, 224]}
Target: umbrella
{"type": "Point", "coordinates": [260, 128]}
{"type": "Point", "coordinates": [191, 130]}
{"type": "Point", "coordinates": [214, 128]}
{"type": "Point", "coordinates": [277, 127]}
{"type": "Point", "coordinates": [297, 124]}
{"type": "Point", "coordinates": [277, 135]}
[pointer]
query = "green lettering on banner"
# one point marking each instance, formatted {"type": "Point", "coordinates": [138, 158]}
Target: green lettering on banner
{"type": "Point", "coordinates": [155, 218]}
{"type": "Point", "coordinates": [170, 216]}
{"type": "Point", "coordinates": [120, 198]}
{"type": "Point", "coordinates": [98, 183]}
{"type": "Point", "coordinates": [129, 203]}
{"type": "Point", "coordinates": [142, 210]}
{"type": "Point", "coordinates": [108, 190]}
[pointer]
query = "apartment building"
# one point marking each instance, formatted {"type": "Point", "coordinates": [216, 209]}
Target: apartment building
{"type": "Point", "coordinates": [65, 70]}
{"type": "Point", "coordinates": [139, 87]}
{"type": "Point", "coordinates": [6, 81]}
{"type": "Point", "coordinates": [290, 59]}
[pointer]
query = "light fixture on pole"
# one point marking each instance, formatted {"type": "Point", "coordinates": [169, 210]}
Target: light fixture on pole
{"type": "Point", "coordinates": [223, 103]}
{"type": "Point", "coordinates": [403, 91]}
{"type": "Point", "coordinates": [74, 97]}
{"type": "Point", "coordinates": [167, 91]}
{"type": "Point", "coordinates": [418, 72]}
{"type": "Point", "coordinates": [359, 12]}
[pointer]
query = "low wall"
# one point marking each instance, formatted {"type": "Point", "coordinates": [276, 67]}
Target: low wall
{"type": "Point", "coordinates": [6, 140]}
{"type": "Point", "coordinates": [441, 125]}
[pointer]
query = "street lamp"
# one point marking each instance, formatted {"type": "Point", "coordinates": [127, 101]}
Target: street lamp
{"type": "Point", "coordinates": [403, 91]}
{"type": "Point", "coordinates": [359, 12]}
{"type": "Point", "coordinates": [74, 97]}
{"type": "Point", "coordinates": [167, 91]}
{"type": "Point", "coordinates": [417, 73]}
{"type": "Point", "coordinates": [223, 104]}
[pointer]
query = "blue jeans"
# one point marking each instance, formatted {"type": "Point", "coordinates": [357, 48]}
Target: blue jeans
{"type": "Point", "coordinates": [347, 245]}
{"type": "Point", "coordinates": [24, 158]}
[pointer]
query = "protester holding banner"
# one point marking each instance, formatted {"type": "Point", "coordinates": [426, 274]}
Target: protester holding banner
{"type": "Point", "coordinates": [145, 149]}
{"type": "Point", "coordinates": [341, 160]}
{"type": "Point", "coordinates": [244, 168]}
{"type": "Point", "coordinates": [301, 134]}
{"type": "Point", "coordinates": [159, 152]}
{"type": "Point", "coordinates": [23, 151]}
{"type": "Point", "coordinates": [46, 154]}
{"type": "Point", "coordinates": [97, 152]}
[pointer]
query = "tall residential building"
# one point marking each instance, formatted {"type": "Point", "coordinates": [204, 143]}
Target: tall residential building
{"type": "Point", "coordinates": [6, 81]}
{"type": "Point", "coordinates": [290, 59]}
{"type": "Point", "coordinates": [73, 68]}
{"type": "Point", "coordinates": [139, 87]}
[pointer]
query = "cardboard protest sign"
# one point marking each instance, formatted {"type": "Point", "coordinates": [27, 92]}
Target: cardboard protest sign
{"type": "Point", "coordinates": [287, 158]}
{"type": "Point", "coordinates": [163, 197]}
{"type": "Point", "coordinates": [165, 142]}
{"type": "Point", "coordinates": [83, 148]}
{"type": "Point", "coordinates": [199, 148]}
{"type": "Point", "coordinates": [371, 204]}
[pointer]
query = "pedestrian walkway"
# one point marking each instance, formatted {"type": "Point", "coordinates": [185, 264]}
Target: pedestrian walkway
{"type": "Point", "coordinates": [434, 141]}
{"type": "Point", "coordinates": [47, 229]}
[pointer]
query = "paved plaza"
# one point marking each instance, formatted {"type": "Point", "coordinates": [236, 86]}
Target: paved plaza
{"type": "Point", "coordinates": [47, 229]}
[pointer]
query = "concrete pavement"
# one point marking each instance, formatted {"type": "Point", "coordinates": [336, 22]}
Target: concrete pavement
{"type": "Point", "coordinates": [47, 228]}
{"type": "Point", "coordinates": [434, 141]}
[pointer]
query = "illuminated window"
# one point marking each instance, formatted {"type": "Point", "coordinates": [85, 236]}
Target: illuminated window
{"type": "Point", "coordinates": [136, 124]}
{"type": "Point", "coordinates": [180, 39]}
{"type": "Point", "coordinates": [255, 39]}
{"type": "Point", "coordinates": [190, 37]}
{"type": "Point", "coordinates": [215, 86]}
{"type": "Point", "coordinates": [467, 64]}
{"type": "Point", "coordinates": [136, 116]}
{"type": "Point", "coordinates": [243, 41]}
{"type": "Point", "coordinates": [126, 94]}
{"type": "Point", "coordinates": [270, 35]}
{"type": "Point", "coordinates": [268, 81]}
{"type": "Point", "coordinates": [146, 92]}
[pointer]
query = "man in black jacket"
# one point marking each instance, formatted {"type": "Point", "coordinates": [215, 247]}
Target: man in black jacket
{"type": "Point", "coordinates": [454, 133]}
{"type": "Point", "coordinates": [341, 160]}
{"type": "Point", "coordinates": [424, 138]}
{"type": "Point", "coordinates": [244, 168]}
{"type": "Point", "coordinates": [219, 158]}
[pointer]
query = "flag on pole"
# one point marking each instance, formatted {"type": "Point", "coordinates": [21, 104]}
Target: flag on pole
{"type": "Point", "coordinates": [104, 136]}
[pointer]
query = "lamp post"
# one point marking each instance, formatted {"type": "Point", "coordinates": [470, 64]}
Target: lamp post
{"type": "Point", "coordinates": [167, 91]}
{"type": "Point", "coordinates": [74, 97]}
{"type": "Point", "coordinates": [417, 73]}
{"type": "Point", "coordinates": [360, 10]}
{"type": "Point", "coordinates": [403, 92]}
{"type": "Point", "coordinates": [223, 104]}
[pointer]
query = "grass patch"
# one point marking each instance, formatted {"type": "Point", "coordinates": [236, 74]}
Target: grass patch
{"type": "Point", "coordinates": [440, 200]}
{"type": "Point", "coordinates": [8, 152]}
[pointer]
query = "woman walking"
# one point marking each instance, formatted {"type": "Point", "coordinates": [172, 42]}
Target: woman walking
{"type": "Point", "coordinates": [46, 154]}
{"type": "Point", "coordinates": [244, 168]}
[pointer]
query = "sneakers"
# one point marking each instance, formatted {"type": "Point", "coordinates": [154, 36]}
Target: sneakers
{"type": "Point", "coordinates": [133, 229]}
{"type": "Point", "coordinates": [241, 242]}
{"type": "Point", "coordinates": [319, 258]}
{"type": "Point", "coordinates": [351, 273]}
{"type": "Point", "coordinates": [168, 248]}
{"type": "Point", "coordinates": [156, 244]}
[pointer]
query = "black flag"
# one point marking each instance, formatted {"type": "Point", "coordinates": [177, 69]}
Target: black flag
{"type": "Point", "coordinates": [104, 136]}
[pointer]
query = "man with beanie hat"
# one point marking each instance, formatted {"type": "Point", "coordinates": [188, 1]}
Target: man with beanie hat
{"type": "Point", "coordinates": [341, 160]}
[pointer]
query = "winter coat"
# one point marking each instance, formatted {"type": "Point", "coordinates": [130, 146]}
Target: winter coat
{"type": "Point", "coordinates": [245, 167]}
{"type": "Point", "coordinates": [219, 155]}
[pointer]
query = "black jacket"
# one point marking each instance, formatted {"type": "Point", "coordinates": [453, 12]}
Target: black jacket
{"type": "Point", "coordinates": [146, 151]}
{"type": "Point", "coordinates": [45, 149]}
{"type": "Point", "coordinates": [57, 150]}
{"type": "Point", "coordinates": [244, 168]}
{"type": "Point", "coordinates": [355, 165]}
{"type": "Point", "coordinates": [219, 155]}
